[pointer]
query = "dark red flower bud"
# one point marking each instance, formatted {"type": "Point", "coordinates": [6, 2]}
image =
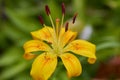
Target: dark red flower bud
{"type": "Point", "coordinates": [47, 9]}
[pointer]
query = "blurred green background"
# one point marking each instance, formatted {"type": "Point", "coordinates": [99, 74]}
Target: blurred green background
{"type": "Point", "coordinates": [19, 17]}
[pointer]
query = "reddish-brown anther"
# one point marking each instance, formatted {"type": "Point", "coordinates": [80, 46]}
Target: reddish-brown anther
{"type": "Point", "coordinates": [41, 20]}
{"type": "Point", "coordinates": [66, 26]}
{"type": "Point", "coordinates": [63, 8]}
{"type": "Point", "coordinates": [74, 18]}
{"type": "Point", "coordinates": [47, 9]}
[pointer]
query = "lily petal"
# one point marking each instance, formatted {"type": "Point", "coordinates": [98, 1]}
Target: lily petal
{"type": "Point", "coordinates": [84, 48]}
{"type": "Point", "coordinates": [72, 64]}
{"type": "Point", "coordinates": [43, 66]}
{"type": "Point", "coordinates": [68, 37]}
{"type": "Point", "coordinates": [32, 46]}
{"type": "Point", "coordinates": [43, 34]}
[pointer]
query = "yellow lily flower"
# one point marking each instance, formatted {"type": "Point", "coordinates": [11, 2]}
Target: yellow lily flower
{"type": "Point", "coordinates": [56, 42]}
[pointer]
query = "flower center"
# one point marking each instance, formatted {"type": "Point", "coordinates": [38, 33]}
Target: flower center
{"type": "Point", "coordinates": [58, 32]}
{"type": "Point", "coordinates": [57, 46]}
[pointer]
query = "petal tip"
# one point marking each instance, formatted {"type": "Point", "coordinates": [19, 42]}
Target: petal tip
{"type": "Point", "coordinates": [91, 60]}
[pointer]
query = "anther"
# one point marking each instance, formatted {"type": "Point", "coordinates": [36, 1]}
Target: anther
{"type": "Point", "coordinates": [41, 20]}
{"type": "Point", "coordinates": [63, 8]}
{"type": "Point", "coordinates": [66, 26]}
{"type": "Point", "coordinates": [47, 10]}
{"type": "Point", "coordinates": [74, 18]}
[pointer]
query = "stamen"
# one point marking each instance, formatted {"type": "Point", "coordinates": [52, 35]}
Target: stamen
{"type": "Point", "coordinates": [47, 10]}
{"type": "Point", "coordinates": [48, 13]}
{"type": "Point", "coordinates": [63, 8]}
{"type": "Point", "coordinates": [66, 26]}
{"type": "Point", "coordinates": [41, 20]}
{"type": "Point", "coordinates": [63, 14]}
{"type": "Point", "coordinates": [74, 18]}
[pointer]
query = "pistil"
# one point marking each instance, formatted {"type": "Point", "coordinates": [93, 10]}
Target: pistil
{"type": "Point", "coordinates": [57, 26]}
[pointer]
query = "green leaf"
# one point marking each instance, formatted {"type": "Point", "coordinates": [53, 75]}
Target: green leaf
{"type": "Point", "coordinates": [105, 45]}
{"type": "Point", "coordinates": [10, 56]}
{"type": "Point", "coordinates": [23, 23]}
{"type": "Point", "coordinates": [13, 70]}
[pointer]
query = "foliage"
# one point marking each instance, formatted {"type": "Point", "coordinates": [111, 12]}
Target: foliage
{"type": "Point", "coordinates": [19, 17]}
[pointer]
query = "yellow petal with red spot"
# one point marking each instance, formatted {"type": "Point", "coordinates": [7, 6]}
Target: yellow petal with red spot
{"type": "Point", "coordinates": [83, 48]}
{"type": "Point", "coordinates": [72, 64]}
{"type": "Point", "coordinates": [32, 46]}
{"type": "Point", "coordinates": [43, 34]}
{"type": "Point", "coordinates": [67, 37]}
{"type": "Point", "coordinates": [43, 66]}
{"type": "Point", "coordinates": [29, 56]}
